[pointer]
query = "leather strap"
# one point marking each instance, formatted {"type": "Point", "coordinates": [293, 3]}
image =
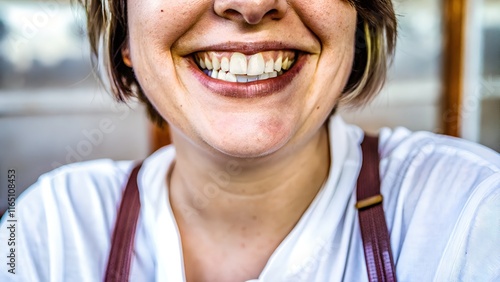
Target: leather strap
{"type": "Point", "coordinates": [376, 242]}
{"type": "Point", "coordinates": [122, 244]}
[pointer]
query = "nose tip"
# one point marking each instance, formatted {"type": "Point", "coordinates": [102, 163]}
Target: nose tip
{"type": "Point", "coordinates": [251, 11]}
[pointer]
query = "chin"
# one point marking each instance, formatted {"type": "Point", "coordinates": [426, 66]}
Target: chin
{"type": "Point", "coordinates": [254, 140]}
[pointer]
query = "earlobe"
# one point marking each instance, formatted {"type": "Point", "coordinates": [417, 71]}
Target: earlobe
{"type": "Point", "coordinates": [126, 55]}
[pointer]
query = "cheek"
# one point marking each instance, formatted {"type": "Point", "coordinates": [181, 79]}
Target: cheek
{"type": "Point", "coordinates": [154, 26]}
{"type": "Point", "coordinates": [332, 21]}
{"type": "Point", "coordinates": [160, 23]}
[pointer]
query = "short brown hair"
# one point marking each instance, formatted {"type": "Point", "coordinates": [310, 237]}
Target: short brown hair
{"type": "Point", "coordinates": [375, 42]}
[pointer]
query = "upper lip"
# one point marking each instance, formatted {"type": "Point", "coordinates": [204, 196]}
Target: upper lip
{"type": "Point", "coordinates": [249, 48]}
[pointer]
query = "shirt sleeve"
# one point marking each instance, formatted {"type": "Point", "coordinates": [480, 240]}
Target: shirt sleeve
{"type": "Point", "coordinates": [63, 224]}
{"type": "Point", "coordinates": [24, 238]}
{"type": "Point", "coordinates": [442, 204]}
{"type": "Point", "coordinates": [473, 252]}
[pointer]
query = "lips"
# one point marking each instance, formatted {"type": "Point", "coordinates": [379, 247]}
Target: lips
{"type": "Point", "coordinates": [246, 72]}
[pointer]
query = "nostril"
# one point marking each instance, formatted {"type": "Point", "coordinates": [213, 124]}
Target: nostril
{"type": "Point", "coordinates": [231, 13]}
{"type": "Point", "coordinates": [273, 14]}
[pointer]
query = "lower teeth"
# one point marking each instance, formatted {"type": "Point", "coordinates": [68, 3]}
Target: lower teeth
{"type": "Point", "coordinates": [227, 76]}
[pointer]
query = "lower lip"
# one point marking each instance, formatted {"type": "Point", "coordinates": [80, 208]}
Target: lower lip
{"type": "Point", "coordinates": [253, 89]}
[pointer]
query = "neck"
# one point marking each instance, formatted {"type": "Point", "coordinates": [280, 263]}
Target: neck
{"type": "Point", "coordinates": [266, 196]}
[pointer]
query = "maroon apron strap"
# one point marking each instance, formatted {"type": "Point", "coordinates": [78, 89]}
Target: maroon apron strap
{"type": "Point", "coordinates": [376, 242]}
{"type": "Point", "coordinates": [122, 243]}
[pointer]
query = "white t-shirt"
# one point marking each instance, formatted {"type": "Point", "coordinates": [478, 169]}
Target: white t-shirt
{"type": "Point", "coordinates": [441, 201]}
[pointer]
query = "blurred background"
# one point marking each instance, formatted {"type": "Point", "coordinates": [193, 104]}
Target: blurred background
{"type": "Point", "coordinates": [54, 112]}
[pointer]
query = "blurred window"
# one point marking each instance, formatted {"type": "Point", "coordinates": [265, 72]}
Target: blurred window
{"type": "Point", "coordinates": [43, 44]}
{"type": "Point", "coordinates": [490, 84]}
{"type": "Point", "coordinates": [491, 36]}
{"type": "Point", "coordinates": [419, 47]}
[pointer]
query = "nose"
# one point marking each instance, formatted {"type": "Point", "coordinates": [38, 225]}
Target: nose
{"type": "Point", "coordinates": [251, 11]}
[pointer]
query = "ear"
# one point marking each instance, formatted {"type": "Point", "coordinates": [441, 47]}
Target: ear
{"type": "Point", "coordinates": [126, 54]}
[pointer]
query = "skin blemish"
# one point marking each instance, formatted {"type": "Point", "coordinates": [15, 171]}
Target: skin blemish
{"type": "Point", "coordinates": [162, 11]}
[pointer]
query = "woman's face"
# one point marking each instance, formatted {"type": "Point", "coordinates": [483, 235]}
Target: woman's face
{"type": "Point", "coordinates": [245, 77]}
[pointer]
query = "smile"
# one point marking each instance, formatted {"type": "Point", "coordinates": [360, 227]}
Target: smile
{"type": "Point", "coordinates": [240, 68]}
{"type": "Point", "coordinates": [243, 70]}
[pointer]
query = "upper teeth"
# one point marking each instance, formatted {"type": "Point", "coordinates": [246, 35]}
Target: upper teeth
{"type": "Point", "coordinates": [238, 67]}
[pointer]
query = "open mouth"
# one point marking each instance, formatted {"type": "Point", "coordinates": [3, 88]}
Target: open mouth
{"type": "Point", "coordinates": [240, 68]}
